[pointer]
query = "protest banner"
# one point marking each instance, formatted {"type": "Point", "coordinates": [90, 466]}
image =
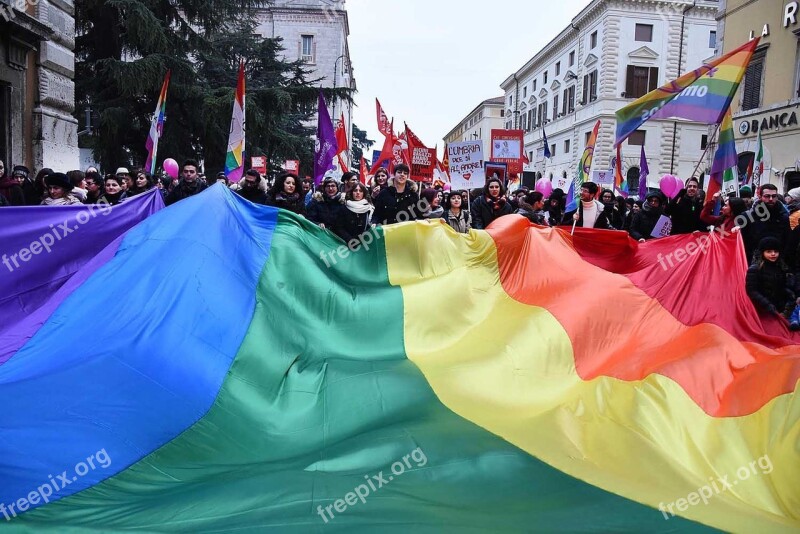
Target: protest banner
{"type": "Point", "coordinates": [466, 165]}
{"type": "Point", "coordinates": [507, 148]}
{"type": "Point", "coordinates": [290, 165]}
{"type": "Point", "coordinates": [423, 160]}
{"type": "Point", "coordinates": [662, 228]}
{"type": "Point", "coordinates": [259, 163]}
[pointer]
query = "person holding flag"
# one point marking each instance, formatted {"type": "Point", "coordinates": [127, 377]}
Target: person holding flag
{"type": "Point", "coordinates": [590, 213]}
{"type": "Point", "coordinates": [685, 209]}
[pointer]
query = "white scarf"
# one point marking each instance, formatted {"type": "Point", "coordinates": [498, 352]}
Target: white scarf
{"type": "Point", "coordinates": [359, 206]}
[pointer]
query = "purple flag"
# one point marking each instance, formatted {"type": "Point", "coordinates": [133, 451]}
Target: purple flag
{"type": "Point", "coordinates": [42, 247]}
{"type": "Point", "coordinates": [644, 170]}
{"type": "Point", "coordinates": [326, 147]}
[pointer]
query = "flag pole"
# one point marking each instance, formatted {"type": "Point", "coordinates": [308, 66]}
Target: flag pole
{"type": "Point", "coordinates": [708, 145]}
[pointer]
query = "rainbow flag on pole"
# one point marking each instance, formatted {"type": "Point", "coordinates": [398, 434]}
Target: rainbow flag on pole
{"type": "Point", "coordinates": [234, 162]}
{"type": "Point", "coordinates": [724, 169]}
{"type": "Point", "coordinates": [584, 169]}
{"type": "Point", "coordinates": [157, 126]}
{"type": "Point", "coordinates": [702, 95]}
{"type": "Point", "coordinates": [246, 395]}
{"type": "Point", "coordinates": [620, 183]}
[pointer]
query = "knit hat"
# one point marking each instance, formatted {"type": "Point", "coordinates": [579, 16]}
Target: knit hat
{"type": "Point", "coordinates": [794, 193]}
{"type": "Point", "coordinates": [122, 170]}
{"type": "Point", "coordinates": [58, 179]}
{"type": "Point", "coordinates": [22, 170]}
{"type": "Point", "coordinates": [769, 243]}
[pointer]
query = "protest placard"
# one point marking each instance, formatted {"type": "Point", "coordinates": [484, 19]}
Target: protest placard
{"type": "Point", "coordinates": [466, 165]}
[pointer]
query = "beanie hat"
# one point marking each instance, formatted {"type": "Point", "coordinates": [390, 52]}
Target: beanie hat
{"type": "Point", "coordinates": [58, 179]}
{"type": "Point", "coordinates": [794, 193]}
{"type": "Point", "coordinates": [23, 171]}
{"type": "Point", "coordinates": [769, 243]}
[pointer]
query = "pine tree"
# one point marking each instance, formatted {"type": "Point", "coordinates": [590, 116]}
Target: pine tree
{"type": "Point", "coordinates": [361, 143]}
{"type": "Point", "coordinates": [124, 48]}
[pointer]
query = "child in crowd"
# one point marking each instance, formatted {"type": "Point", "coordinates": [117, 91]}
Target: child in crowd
{"type": "Point", "coordinates": [769, 284]}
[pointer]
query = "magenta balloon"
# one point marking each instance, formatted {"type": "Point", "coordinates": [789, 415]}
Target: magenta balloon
{"type": "Point", "coordinates": [171, 167]}
{"type": "Point", "coordinates": [447, 187]}
{"type": "Point", "coordinates": [667, 186]}
{"type": "Point", "coordinates": [544, 186]}
{"type": "Point", "coordinates": [679, 185]}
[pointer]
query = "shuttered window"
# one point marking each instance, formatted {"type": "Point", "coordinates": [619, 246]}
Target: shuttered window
{"type": "Point", "coordinates": [555, 107]}
{"type": "Point", "coordinates": [751, 98]}
{"type": "Point", "coordinates": [640, 81]}
{"type": "Point", "coordinates": [644, 33]}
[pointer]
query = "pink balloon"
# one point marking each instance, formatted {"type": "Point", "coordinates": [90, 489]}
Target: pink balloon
{"type": "Point", "coordinates": [544, 186]}
{"type": "Point", "coordinates": [170, 167]}
{"type": "Point", "coordinates": [680, 184]}
{"type": "Point", "coordinates": [669, 185]}
{"type": "Point", "coordinates": [447, 187]}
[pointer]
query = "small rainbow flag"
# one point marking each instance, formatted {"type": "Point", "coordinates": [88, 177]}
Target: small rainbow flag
{"type": "Point", "coordinates": [702, 95]}
{"type": "Point", "coordinates": [725, 158]}
{"type": "Point", "coordinates": [234, 162]}
{"type": "Point", "coordinates": [157, 126]}
{"type": "Point", "coordinates": [620, 184]}
{"type": "Point", "coordinates": [584, 169]}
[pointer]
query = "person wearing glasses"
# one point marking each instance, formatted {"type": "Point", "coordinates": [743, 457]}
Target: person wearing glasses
{"type": "Point", "coordinates": [772, 222]}
{"type": "Point", "coordinates": [399, 202]}
{"type": "Point", "coordinates": [94, 187]}
{"type": "Point", "coordinates": [325, 210]}
{"type": "Point", "coordinates": [684, 210]}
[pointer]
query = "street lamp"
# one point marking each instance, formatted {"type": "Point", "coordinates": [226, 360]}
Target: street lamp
{"type": "Point", "coordinates": [335, 75]}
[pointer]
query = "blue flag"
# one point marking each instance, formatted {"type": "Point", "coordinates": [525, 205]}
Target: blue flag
{"type": "Point", "coordinates": [644, 170]}
{"type": "Point", "coordinates": [547, 153]}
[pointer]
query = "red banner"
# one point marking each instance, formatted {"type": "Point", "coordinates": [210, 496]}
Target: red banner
{"type": "Point", "coordinates": [259, 163]}
{"type": "Point", "coordinates": [384, 126]}
{"type": "Point", "coordinates": [421, 158]}
{"type": "Point", "coordinates": [291, 165]}
{"type": "Point", "coordinates": [508, 147]}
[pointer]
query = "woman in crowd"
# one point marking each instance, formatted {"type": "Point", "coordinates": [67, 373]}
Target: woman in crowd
{"type": "Point", "coordinates": [285, 194]}
{"type": "Point", "coordinates": [726, 219]}
{"type": "Point", "coordinates": [381, 181]}
{"type": "Point", "coordinates": [327, 205]}
{"type": "Point", "coordinates": [555, 207]}
{"type": "Point", "coordinates": [636, 207]}
{"type": "Point", "coordinates": [399, 202]}
{"type": "Point", "coordinates": [432, 208]}
{"type": "Point", "coordinates": [10, 188]}
{"type": "Point", "coordinates": [142, 184]}
{"type": "Point", "coordinates": [113, 191]}
{"type": "Point", "coordinates": [644, 222]}
{"type": "Point", "coordinates": [349, 180]}
{"type": "Point", "coordinates": [59, 190]}
{"type": "Point", "coordinates": [459, 219]}
{"type": "Point", "coordinates": [532, 208]}
{"type": "Point", "coordinates": [38, 192]}
{"type": "Point", "coordinates": [94, 188]}
{"type": "Point", "coordinates": [769, 284]}
{"type": "Point", "coordinates": [491, 205]}
{"type": "Point", "coordinates": [614, 216]}
{"type": "Point", "coordinates": [355, 219]}
{"type": "Point", "coordinates": [78, 180]}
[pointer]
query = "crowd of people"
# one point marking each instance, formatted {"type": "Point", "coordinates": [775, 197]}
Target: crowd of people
{"type": "Point", "coordinates": [769, 224]}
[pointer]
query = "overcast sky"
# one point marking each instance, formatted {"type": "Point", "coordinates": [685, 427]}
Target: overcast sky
{"type": "Point", "coordinates": [430, 62]}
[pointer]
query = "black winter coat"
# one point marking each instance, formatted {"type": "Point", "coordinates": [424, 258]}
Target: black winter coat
{"type": "Point", "coordinates": [603, 220]}
{"type": "Point", "coordinates": [777, 226]}
{"type": "Point", "coordinates": [295, 203]}
{"type": "Point", "coordinates": [12, 192]}
{"type": "Point", "coordinates": [325, 210]}
{"type": "Point", "coordinates": [483, 214]}
{"type": "Point", "coordinates": [183, 191]}
{"type": "Point", "coordinates": [685, 214]}
{"type": "Point", "coordinates": [643, 224]}
{"type": "Point", "coordinates": [770, 287]}
{"type": "Point", "coordinates": [389, 204]}
{"type": "Point", "coordinates": [254, 194]}
{"type": "Point", "coordinates": [350, 224]}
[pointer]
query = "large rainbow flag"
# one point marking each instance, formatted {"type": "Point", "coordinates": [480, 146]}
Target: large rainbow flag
{"type": "Point", "coordinates": [251, 373]}
{"type": "Point", "coordinates": [234, 159]}
{"type": "Point", "coordinates": [702, 95]}
{"type": "Point", "coordinates": [157, 126]}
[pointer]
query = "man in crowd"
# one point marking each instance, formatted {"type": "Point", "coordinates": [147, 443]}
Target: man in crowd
{"type": "Point", "coordinates": [251, 189]}
{"type": "Point", "coordinates": [188, 186]}
{"type": "Point", "coordinates": [590, 212]}
{"type": "Point", "coordinates": [684, 209]}
{"type": "Point", "coordinates": [774, 222]}
{"type": "Point", "coordinates": [645, 221]}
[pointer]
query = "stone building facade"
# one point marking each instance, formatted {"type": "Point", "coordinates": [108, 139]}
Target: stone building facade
{"type": "Point", "coordinates": [479, 123]}
{"type": "Point", "coordinates": [613, 52]}
{"type": "Point", "coordinates": [37, 90]}
{"type": "Point", "coordinates": [768, 100]}
{"type": "Point", "coordinates": [315, 31]}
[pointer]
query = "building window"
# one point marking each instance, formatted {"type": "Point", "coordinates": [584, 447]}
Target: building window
{"type": "Point", "coordinates": [525, 92]}
{"type": "Point", "coordinates": [530, 155]}
{"type": "Point", "coordinates": [593, 40]}
{"type": "Point", "coordinates": [632, 177]}
{"type": "Point", "coordinates": [753, 78]}
{"type": "Point", "coordinates": [640, 81]}
{"type": "Point", "coordinates": [703, 142]}
{"type": "Point", "coordinates": [590, 87]}
{"type": "Point", "coordinates": [558, 68]}
{"type": "Point", "coordinates": [552, 150]}
{"type": "Point", "coordinates": [544, 77]}
{"type": "Point", "coordinates": [308, 48]}
{"type": "Point", "coordinates": [637, 138]}
{"type": "Point", "coordinates": [508, 125]}
{"type": "Point", "coordinates": [566, 146]}
{"type": "Point", "coordinates": [572, 58]}
{"type": "Point", "coordinates": [587, 137]}
{"type": "Point", "coordinates": [644, 33]}
{"type": "Point", "coordinates": [502, 113]}
{"type": "Point", "coordinates": [524, 125]}
{"type": "Point", "coordinates": [534, 85]}
{"type": "Point", "coordinates": [571, 99]}
{"type": "Point", "coordinates": [511, 100]}
{"type": "Point", "coordinates": [555, 107]}
{"type": "Point", "coordinates": [530, 120]}
{"type": "Point", "coordinates": [712, 39]}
